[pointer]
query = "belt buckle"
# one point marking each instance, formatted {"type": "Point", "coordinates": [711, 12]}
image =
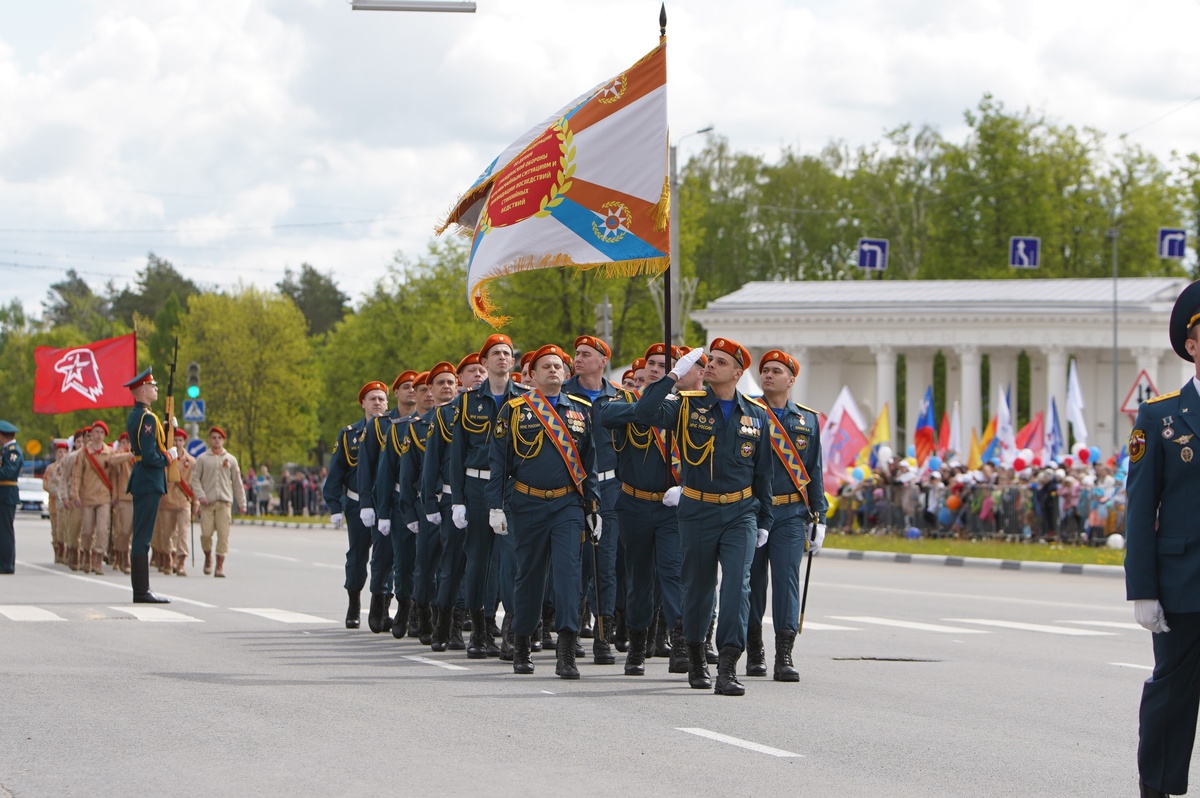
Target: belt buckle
{"type": "Point", "coordinates": [723, 498]}
{"type": "Point", "coordinates": [546, 494]}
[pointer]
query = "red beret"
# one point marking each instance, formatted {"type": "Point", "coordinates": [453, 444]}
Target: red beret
{"type": "Point", "coordinates": [63, 444]}
{"type": "Point", "coordinates": [422, 379]}
{"type": "Point", "coordinates": [525, 358]}
{"type": "Point", "coordinates": [180, 432]}
{"type": "Point", "coordinates": [215, 429]}
{"type": "Point", "coordinates": [493, 340]}
{"type": "Point", "coordinates": [659, 349]}
{"type": "Point", "coordinates": [373, 385]}
{"type": "Point", "coordinates": [628, 375]}
{"type": "Point", "coordinates": [638, 364]}
{"type": "Point", "coordinates": [548, 349]}
{"type": "Point", "coordinates": [405, 376]}
{"type": "Point", "coordinates": [101, 425]}
{"type": "Point", "coordinates": [732, 348]}
{"type": "Point", "coordinates": [515, 376]}
{"type": "Point", "coordinates": [683, 350]}
{"type": "Point", "coordinates": [443, 367]}
{"type": "Point", "coordinates": [470, 360]}
{"type": "Point", "coordinates": [124, 436]}
{"type": "Point", "coordinates": [594, 343]}
{"type": "Point", "coordinates": [782, 357]}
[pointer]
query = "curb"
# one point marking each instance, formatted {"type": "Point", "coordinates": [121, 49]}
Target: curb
{"type": "Point", "coordinates": [1076, 569]}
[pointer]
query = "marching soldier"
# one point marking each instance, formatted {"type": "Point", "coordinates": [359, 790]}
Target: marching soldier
{"type": "Point", "coordinates": [428, 534]}
{"type": "Point", "coordinates": [147, 481]}
{"type": "Point", "coordinates": [799, 500]}
{"type": "Point", "coordinates": [176, 508]}
{"type": "Point", "coordinates": [627, 381]}
{"type": "Point", "coordinates": [217, 484]}
{"type": "Point", "coordinates": [49, 479]}
{"type": "Point", "coordinates": [639, 373]}
{"type": "Point", "coordinates": [341, 496]}
{"type": "Point", "coordinates": [726, 502]}
{"type": "Point", "coordinates": [391, 522]}
{"type": "Point", "coordinates": [543, 467]}
{"type": "Point", "coordinates": [122, 532]}
{"type": "Point", "coordinates": [11, 461]}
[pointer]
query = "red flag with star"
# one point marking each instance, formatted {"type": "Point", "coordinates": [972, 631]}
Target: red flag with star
{"type": "Point", "coordinates": [85, 377]}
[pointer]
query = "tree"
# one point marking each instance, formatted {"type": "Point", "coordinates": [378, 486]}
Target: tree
{"type": "Point", "coordinates": [318, 297]}
{"type": "Point", "coordinates": [72, 302]}
{"type": "Point", "coordinates": [155, 284]}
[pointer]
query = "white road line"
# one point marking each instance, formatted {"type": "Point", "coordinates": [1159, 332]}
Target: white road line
{"type": "Point", "coordinates": [547, 692]}
{"type": "Point", "coordinates": [828, 627]}
{"type": "Point", "coordinates": [1106, 624]}
{"type": "Point", "coordinates": [17, 612]}
{"type": "Point", "coordinates": [1132, 665]}
{"type": "Point", "coordinates": [1032, 627]}
{"type": "Point", "coordinates": [427, 661]}
{"type": "Point", "coordinates": [275, 556]}
{"type": "Point", "coordinates": [157, 615]}
{"type": "Point", "coordinates": [122, 585]}
{"type": "Point", "coordinates": [725, 738]}
{"type": "Point", "coordinates": [923, 627]}
{"type": "Point", "coordinates": [283, 616]}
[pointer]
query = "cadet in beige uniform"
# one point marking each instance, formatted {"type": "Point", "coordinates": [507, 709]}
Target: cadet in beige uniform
{"type": "Point", "coordinates": [71, 515]}
{"type": "Point", "coordinates": [93, 490]}
{"type": "Point", "coordinates": [49, 484]}
{"type": "Point", "coordinates": [122, 531]}
{"type": "Point", "coordinates": [176, 508]}
{"type": "Point", "coordinates": [217, 482]}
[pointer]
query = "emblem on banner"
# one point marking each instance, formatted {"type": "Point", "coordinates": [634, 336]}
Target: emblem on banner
{"type": "Point", "coordinates": [615, 222]}
{"type": "Point", "coordinates": [614, 89]}
{"type": "Point", "coordinates": [80, 373]}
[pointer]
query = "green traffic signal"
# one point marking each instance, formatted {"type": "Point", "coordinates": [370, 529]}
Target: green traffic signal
{"type": "Point", "coordinates": [193, 392]}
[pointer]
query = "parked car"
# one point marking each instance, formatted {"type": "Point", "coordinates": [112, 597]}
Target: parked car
{"type": "Point", "coordinates": [34, 498]}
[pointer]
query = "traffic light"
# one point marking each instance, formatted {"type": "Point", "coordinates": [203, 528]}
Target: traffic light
{"type": "Point", "coordinates": [193, 389]}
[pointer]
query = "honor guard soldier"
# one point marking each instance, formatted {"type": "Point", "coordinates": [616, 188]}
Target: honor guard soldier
{"type": "Point", "coordinates": [1162, 561]}
{"type": "Point", "coordinates": [217, 483]}
{"type": "Point", "coordinates": [543, 467]}
{"type": "Point", "coordinates": [147, 481]}
{"type": "Point", "coordinates": [799, 505]}
{"type": "Point", "coordinates": [341, 496]}
{"type": "Point", "coordinates": [726, 503]}
{"type": "Point", "coordinates": [428, 535]}
{"type": "Point", "coordinates": [11, 461]}
{"type": "Point", "coordinates": [387, 502]}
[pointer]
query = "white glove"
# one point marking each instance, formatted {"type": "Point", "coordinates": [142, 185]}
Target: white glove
{"type": "Point", "coordinates": [336, 519]}
{"type": "Point", "coordinates": [685, 363]}
{"type": "Point", "coordinates": [818, 538]}
{"type": "Point", "coordinates": [172, 455]}
{"type": "Point", "coordinates": [434, 518]}
{"type": "Point", "coordinates": [671, 497]}
{"type": "Point", "coordinates": [458, 514]}
{"type": "Point", "coordinates": [413, 526]}
{"type": "Point", "coordinates": [367, 516]}
{"type": "Point", "coordinates": [1149, 614]}
{"type": "Point", "coordinates": [498, 522]}
{"type": "Point", "coordinates": [385, 526]}
{"type": "Point", "coordinates": [763, 534]}
{"type": "Point", "coordinates": [595, 525]}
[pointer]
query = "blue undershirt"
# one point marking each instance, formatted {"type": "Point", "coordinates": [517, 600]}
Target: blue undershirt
{"type": "Point", "coordinates": [591, 395]}
{"type": "Point", "coordinates": [778, 411]}
{"type": "Point", "coordinates": [726, 407]}
{"type": "Point", "coordinates": [498, 399]}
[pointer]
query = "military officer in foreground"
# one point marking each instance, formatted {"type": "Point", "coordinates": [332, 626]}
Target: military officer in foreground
{"type": "Point", "coordinates": [11, 461]}
{"type": "Point", "coordinates": [1162, 561]}
{"type": "Point", "coordinates": [147, 481]}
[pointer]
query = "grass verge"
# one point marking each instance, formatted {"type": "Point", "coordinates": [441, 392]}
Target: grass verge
{"type": "Point", "coordinates": [989, 549]}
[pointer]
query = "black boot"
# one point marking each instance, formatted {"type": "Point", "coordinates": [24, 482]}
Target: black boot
{"type": "Point", "coordinates": [710, 653]}
{"type": "Point", "coordinates": [602, 653]}
{"type": "Point", "coordinates": [489, 639]}
{"type": "Point", "coordinates": [543, 638]}
{"type": "Point", "coordinates": [727, 681]}
{"type": "Point", "coordinates": [522, 661]}
{"type": "Point", "coordinates": [456, 629]}
{"type": "Point", "coordinates": [414, 623]}
{"type": "Point", "coordinates": [635, 659]}
{"type": "Point", "coordinates": [375, 614]}
{"type": "Point", "coordinates": [424, 624]}
{"type": "Point", "coordinates": [698, 678]}
{"type": "Point", "coordinates": [565, 668]}
{"type": "Point", "coordinates": [506, 639]}
{"type": "Point", "coordinates": [1145, 791]}
{"type": "Point", "coordinates": [585, 619]}
{"type": "Point", "coordinates": [679, 655]}
{"type": "Point", "coordinates": [404, 609]}
{"type": "Point", "coordinates": [477, 649]}
{"type": "Point", "coordinates": [441, 629]}
{"type": "Point", "coordinates": [662, 645]}
{"type": "Point", "coordinates": [756, 657]}
{"type": "Point", "coordinates": [493, 629]}
{"type": "Point", "coordinates": [620, 632]}
{"type": "Point", "coordinates": [387, 611]}
{"type": "Point", "coordinates": [784, 670]}
{"type": "Point", "coordinates": [354, 610]}
{"type": "Point", "coordinates": [139, 578]}
{"type": "Point", "coordinates": [468, 622]}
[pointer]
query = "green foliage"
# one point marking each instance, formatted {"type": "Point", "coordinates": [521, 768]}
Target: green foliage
{"type": "Point", "coordinates": [318, 297]}
{"type": "Point", "coordinates": [155, 285]}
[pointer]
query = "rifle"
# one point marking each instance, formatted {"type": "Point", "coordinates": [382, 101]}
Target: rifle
{"type": "Point", "coordinates": [173, 467]}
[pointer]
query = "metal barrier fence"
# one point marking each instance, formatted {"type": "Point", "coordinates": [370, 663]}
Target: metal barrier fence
{"type": "Point", "coordinates": [1009, 512]}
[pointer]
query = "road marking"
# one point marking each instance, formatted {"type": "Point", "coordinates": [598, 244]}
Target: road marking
{"type": "Point", "coordinates": [427, 661]}
{"type": "Point", "coordinates": [283, 616]}
{"type": "Point", "coordinates": [1032, 627]}
{"type": "Point", "coordinates": [275, 557]}
{"type": "Point", "coordinates": [157, 615]}
{"type": "Point", "coordinates": [1106, 624]}
{"type": "Point", "coordinates": [94, 580]}
{"type": "Point", "coordinates": [924, 627]}
{"type": "Point", "coordinates": [828, 627]}
{"type": "Point", "coordinates": [547, 692]}
{"type": "Point", "coordinates": [16, 612]}
{"type": "Point", "coordinates": [1132, 665]}
{"type": "Point", "coordinates": [725, 738]}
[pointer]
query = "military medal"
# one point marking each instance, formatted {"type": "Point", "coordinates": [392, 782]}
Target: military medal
{"type": "Point", "coordinates": [1167, 432]}
{"type": "Point", "coordinates": [1186, 454]}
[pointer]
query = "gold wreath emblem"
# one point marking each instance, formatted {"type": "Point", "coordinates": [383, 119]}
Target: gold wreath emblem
{"type": "Point", "coordinates": [615, 224]}
{"type": "Point", "coordinates": [614, 89]}
{"type": "Point", "coordinates": [566, 169]}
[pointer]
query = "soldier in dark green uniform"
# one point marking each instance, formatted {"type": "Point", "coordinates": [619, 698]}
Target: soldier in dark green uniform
{"type": "Point", "coordinates": [10, 495]}
{"type": "Point", "coordinates": [147, 481]}
{"type": "Point", "coordinates": [726, 502]}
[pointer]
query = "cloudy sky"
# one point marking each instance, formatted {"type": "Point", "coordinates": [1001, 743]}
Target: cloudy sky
{"type": "Point", "coordinates": [239, 137]}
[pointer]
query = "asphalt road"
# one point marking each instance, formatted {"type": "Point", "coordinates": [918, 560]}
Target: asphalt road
{"type": "Point", "coordinates": [917, 680]}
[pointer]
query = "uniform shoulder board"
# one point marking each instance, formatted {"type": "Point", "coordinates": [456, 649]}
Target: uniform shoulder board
{"type": "Point", "coordinates": [693, 394]}
{"type": "Point", "coordinates": [514, 403]}
{"type": "Point", "coordinates": [809, 409]}
{"type": "Point", "coordinates": [1170, 395]}
{"type": "Point", "coordinates": [582, 400]}
{"type": "Point", "coordinates": [347, 428]}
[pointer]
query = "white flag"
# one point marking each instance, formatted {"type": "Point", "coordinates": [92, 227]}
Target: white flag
{"type": "Point", "coordinates": [1006, 437]}
{"type": "Point", "coordinates": [845, 401]}
{"type": "Point", "coordinates": [1075, 406]}
{"type": "Point", "coordinates": [956, 444]}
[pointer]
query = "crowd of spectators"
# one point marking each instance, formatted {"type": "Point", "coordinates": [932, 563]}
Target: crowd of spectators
{"type": "Point", "coordinates": [296, 493]}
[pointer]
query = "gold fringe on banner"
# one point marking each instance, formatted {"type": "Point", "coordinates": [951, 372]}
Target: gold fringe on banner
{"type": "Point", "coordinates": [662, 210]}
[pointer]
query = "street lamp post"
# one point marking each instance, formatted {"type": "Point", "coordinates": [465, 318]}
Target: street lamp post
{"type": "Point", "coordinates": [674, 280]}
{"type": "Point", "coordinates": [1112, 235]}
{"type": "Point", "coordinates": [412, 5]}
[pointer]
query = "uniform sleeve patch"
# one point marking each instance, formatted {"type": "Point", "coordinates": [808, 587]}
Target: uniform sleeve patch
{"type": "Point", "coordinates": [1137, 445]}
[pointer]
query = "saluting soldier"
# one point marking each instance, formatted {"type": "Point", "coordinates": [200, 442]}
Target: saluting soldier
{"type": "Point", "coordinates": [11, 461]}
{"type": "Point", "coordinates": [147, 481]}
{"type": "Point", "coordinates": [390, 522]}
{"type": "Point", "coordinates": [543, 467]}
{"type": "Point", "coordinates": [799, 501]}
{"type": "Point", "coordinates": [341, 496]}
{"type": "Point", "coordinates": [217, 485]}
{"type": "Point", "coordinates": [726, 503]}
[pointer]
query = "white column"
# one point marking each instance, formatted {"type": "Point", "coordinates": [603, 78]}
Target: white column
{"type": "Point", "coordinates": [1003, 371]}
{"type": "Point", "coordinates": [918, 366]}
{"type": "Point", "coordinates": [1147, 360]}
{"type": "Point", "coordinates": [800, 394]}
{"type": "Point", "coordinates": [971, 399]}
{"type": "Point", "coordinates": [885, 384]}
{"type": "Point", "coordinates": [1056, 382]}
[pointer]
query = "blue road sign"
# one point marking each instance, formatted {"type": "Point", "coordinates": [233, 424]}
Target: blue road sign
{"type": "Point", "coordinates": [196, 447]}
{"type": "Point", "coordinates": [1172, 243]}
{"type": "Point", "coordinates": [193, 410]}
{"type": "Point", "coordinates": [872, 253]}
{"type": "Point", "coordinates": [1024, 252]}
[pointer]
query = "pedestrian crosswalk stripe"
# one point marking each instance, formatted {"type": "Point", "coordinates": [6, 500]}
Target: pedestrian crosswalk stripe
{"type": "Point", "coordinates": [17, 612]}
{"type": "Point", "coordinates": [427, 661]}
{"type": "Point", "coordinates": [740, 743]}
{"type": "Point", "coordinates": [923, 627]}
{"type": "Point", "coordinates": [1032, 627]}
{"type": "Point", "coordinates": [157, 615]}
{"type": "Point", "coordinates": [827, 627]}
{"type": "Point", "coordinates": [1132, 665]}
{"type": "Point", "coordinates": [283, 616]}
{"type": "Point", "coordinates": [1106, 624]}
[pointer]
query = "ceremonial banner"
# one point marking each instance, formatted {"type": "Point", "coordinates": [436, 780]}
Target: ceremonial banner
{"type": "Point", "coordinates": [587, 188]}
{"type": "Point", "coordinates": [923, 438]}
{"type": "Point", "coordinates": [85, 377]}
{"type": "Point", "coordinates": [841, 441]}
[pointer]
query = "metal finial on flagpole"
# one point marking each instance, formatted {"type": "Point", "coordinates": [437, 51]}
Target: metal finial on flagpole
{"type": "Point", "coordinates": [662, 20]}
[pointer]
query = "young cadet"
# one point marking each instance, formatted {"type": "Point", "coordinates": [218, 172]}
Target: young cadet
{"type": "Point", "coordinates": [49, 485]}
{"type": "Point", "coordinates": [342, 497]}
{"type": "Point", "coordinates": [178, 506]}
{"type": "Point", "coordinates": [799, 501]}
{"type": "Point", "coordinates": [122, 532]}
{"type": "Point", "coordinates": [386, 494]}
{"type": "Point", "coordinates": [147, 481]}
{"type": "Point", "coordinates": [94, 492]}
{"type": "Point", "coordinates": [428, 544]}
{"type": "Point", "coordinates": [726, 503]}
{"type": "Point", "coordinates": [543, 467]}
